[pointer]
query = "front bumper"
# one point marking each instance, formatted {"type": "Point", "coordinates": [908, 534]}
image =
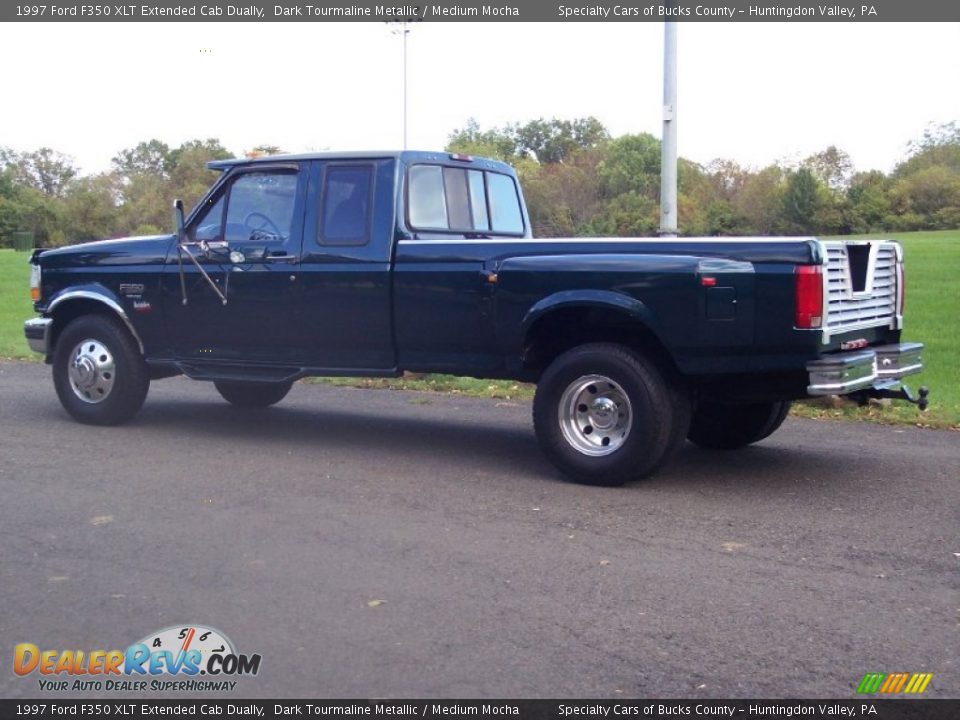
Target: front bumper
{"type": "Point", "coordinates": [876, 367]}
{"type": "Point", "coordinates": [37, 332]}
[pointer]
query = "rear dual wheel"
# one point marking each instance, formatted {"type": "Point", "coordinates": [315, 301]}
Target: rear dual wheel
{"type": "Point", "coordinates": [722, 426]}
{"type": "Point", "coordinates": [605, 414]}
{"type": "Point", "coordinates": [253, 394]}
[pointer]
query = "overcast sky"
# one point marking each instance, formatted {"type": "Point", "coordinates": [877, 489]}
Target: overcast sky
{"type": "Point", "coordinates": [753, 92]}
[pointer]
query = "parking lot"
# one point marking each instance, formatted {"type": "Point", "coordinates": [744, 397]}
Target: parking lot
{"type": "Point", "coordinates": [374, 543]}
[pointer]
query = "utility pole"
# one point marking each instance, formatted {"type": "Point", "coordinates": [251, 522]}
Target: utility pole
{"type": "Point", "coordinates": [402, 27]}
{"type": "Point", "coordinates": [668, 146]}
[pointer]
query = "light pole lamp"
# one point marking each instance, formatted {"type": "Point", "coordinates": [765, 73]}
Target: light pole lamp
{"type": "Point", "coordinates": [402, 27]}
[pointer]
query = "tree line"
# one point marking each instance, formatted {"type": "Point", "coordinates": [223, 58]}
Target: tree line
{"type": "Point", "coordinates": [580, 181]}
{"type": "Point", "coordinates": [577, 179]}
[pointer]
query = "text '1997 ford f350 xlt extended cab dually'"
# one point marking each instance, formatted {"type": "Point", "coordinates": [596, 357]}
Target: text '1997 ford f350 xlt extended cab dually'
{"type": "Point", "coordinates": [372, 264]}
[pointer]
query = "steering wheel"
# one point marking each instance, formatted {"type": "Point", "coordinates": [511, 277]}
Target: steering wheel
{"type": "Point", "coordinates": [258, 221]}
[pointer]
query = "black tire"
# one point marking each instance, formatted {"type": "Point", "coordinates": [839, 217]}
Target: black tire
{"type": "Point", "coordinates": [98, 371]}
{"type": "Point", "coordinates": [253, 394]}
{"type": "Point", "coordinates": [721, 426]}
{"type": "Point", "coordinates": [648, 427]}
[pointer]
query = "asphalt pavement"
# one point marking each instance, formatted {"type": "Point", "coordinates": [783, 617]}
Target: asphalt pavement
{"type": "Point", "coordinates": [376, 543]}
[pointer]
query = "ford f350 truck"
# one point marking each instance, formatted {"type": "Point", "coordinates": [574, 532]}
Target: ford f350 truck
{"type": "Point", "coordinates": [372, 264]}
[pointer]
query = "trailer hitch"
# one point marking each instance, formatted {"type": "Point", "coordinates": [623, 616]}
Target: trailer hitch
{"type": "Point", "coordinates": [901, 393]}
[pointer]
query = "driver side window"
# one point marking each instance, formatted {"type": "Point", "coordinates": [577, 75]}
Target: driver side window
{"type": "Point", "coordinates": [208, 227]}
{"type": "Point", "coordinates": [259, 209]}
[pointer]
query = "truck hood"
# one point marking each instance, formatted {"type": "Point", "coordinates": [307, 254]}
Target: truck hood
{"type": "Point", "coordinates": [146, 250]}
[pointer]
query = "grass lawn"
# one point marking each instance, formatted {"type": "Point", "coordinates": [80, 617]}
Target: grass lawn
{"type": "Point", "coordinates": [15, 305]}
{"type": "Point", "coordinates": [933, 317]}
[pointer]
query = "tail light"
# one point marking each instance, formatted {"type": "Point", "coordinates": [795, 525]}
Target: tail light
{"type": "Point", "coordinates": [809, 297]}
{"type": "Point", "coordinates": [34, 282]}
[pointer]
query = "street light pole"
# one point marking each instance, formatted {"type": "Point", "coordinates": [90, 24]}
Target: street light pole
{"type": "Point", "coordinates": [668, 146]}
{"type": "Point", "coordinates": [404, 30]}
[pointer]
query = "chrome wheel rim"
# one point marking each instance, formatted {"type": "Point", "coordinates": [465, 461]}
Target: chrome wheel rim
{"type": "Point", "coordinates": [92, 371]}
{"type": "Point", "coordinates": [595, 415]}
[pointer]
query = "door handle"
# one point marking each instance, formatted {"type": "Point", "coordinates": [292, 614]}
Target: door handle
{"type": "Point", "coordinates": [281, 258]}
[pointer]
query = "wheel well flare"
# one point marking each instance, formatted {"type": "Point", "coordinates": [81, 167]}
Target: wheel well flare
{"type": "Point", "coordinates": [565, 328]}
{"type": "Point", "coordinates": [70, 309]}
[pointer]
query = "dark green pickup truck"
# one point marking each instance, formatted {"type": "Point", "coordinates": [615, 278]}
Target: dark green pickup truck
{"type": "Point", "coordinates": [376, 263]}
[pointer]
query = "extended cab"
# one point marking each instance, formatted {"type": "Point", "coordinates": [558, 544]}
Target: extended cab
{"type": "Point", "coordinates": [376, 263]}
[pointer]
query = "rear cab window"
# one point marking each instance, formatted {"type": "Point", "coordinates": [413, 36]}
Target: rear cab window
{"type": "Point", "coordinates": [463, 201]}
{"type": "Point", "coordinates": [346, 204]}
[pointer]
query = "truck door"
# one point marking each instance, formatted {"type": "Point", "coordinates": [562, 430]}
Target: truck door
{"type": "Point", "coordinates": [460, 219]}
{"type": "Point", "coordinates": [253, 225]}
{"type": "Point", "coordinates": [345, 305]}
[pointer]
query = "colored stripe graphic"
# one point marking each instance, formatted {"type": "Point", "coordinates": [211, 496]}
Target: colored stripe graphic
{"type": "Point", "coordinates": [925, 679]}
{"type": "Point", "coordinates": [901, 681]}
{"type": "Point", "coordinates": [870, 683]}
{"type": "Point", "coordinates": [894, 683]}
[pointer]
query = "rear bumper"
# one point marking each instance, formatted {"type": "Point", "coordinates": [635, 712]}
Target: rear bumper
{"type": "Point", "coordinates": [849, 372]}
{"type": "Point", "coordinates": [37, 332]}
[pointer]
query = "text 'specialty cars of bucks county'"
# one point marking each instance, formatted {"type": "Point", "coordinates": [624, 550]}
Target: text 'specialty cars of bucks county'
{"type": "Point", "coordinates": [376, 263]}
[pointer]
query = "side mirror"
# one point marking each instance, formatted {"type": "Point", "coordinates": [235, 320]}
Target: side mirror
{"type": "Point", "coordinates": [182, 248]}
{"type": "Point", "coordinates": [178, 219]}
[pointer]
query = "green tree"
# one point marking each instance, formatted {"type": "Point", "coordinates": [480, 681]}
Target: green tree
{"type": "Point", "coordinates": [832, 167]}
{"type": "Point", "coordinates": [555, 141]}
{"type": "Point", "coordinates": [801, 200]}
{"type": "Point", "coordinates": [563, 198]}
{"type": "Point", "coordinates": [939, 146]}
{"type": "Point", "coordinates": [45, 169]}
{"type": "Point", "coordinates": [90, 209]}
{"type": "Point", "coordinates": [190, 177]}
{"type": "Point", "coordinates": [151, 157]}
{"type": "Point", "coordinates": [628, 215]}
{"type": "Point", "coordinates": [631, 164]}
{"type": "Point", "coordinates": [928, 192]}
{"type": "Point", "coordinates": [41, 215]}
{"type": "Point", "coordinates": [150, 176]}
{"type": "Point", "coordinates": [721, 218]}
{"type": "Point", "coordinates": [760, 202]}
{"type": "Point", "coordinates": [498, 143]}
{"type": "Point", "coordinates": [924, 193]}
{"type": "Point", "coordinates": [727, 177]}
{"type": "Point", "coordinates": [869, 197]}
{"type": "Point", "coordinates": [11, 216]}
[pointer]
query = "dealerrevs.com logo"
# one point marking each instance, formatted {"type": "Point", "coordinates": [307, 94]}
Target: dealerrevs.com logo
{"type": "Point", "coordinates": [894, 683]}
{"type": "Point", "coordinates": [189, 658]}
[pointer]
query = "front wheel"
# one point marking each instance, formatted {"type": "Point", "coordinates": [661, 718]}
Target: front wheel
{"type": "Point", "coordinates": [253, 394]}
{"type": "Point", "coordinates": [722, 426]}
{"type": "Point", "coordinates": [98, 371]}
{"type": "Point", "coordinates": [605, 414]}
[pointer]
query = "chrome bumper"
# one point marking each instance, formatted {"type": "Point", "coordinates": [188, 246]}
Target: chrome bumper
{"type": "Point", "coordinates": [843, 373]}
{"type": "Point", "coordinates": [37, 332]}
